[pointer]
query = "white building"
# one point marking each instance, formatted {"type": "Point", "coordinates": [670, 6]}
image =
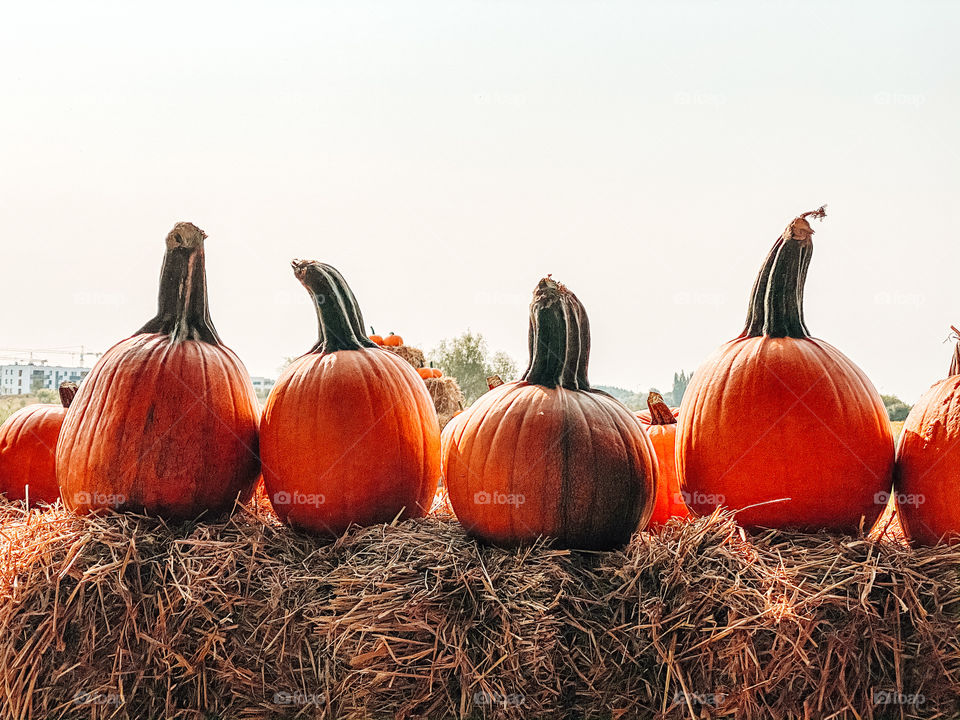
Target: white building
{"type": "Point", "coordinates": [24, 378]}
{"type": "Point", "coordinates": [262, 385]}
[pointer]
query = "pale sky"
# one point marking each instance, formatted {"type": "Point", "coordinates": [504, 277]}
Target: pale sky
{"type": "Point", "coordinates": [446, 155]}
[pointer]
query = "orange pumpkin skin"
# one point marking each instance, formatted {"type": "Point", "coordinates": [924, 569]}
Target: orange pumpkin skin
{"type": "Point", "coordinates": [780, 426]}
{"type": "Point", "coordinates": [349, 434]}
{"type": "Point", "coordinates": [662, 431]}
{"type": "Point", "coordinates": [770, 418]}
{"type": "Point", "coordinates": [547, 456]}
{"type": "Point", "coordinates": [425, 373]}
{"type": "Point", "coordinates": [392, 340]}
{"type": "Point", "coordinates": [927, 478]}
{"type": "Point", "coordinates": [377, 339]}
{"type": "Point", "coordinates": [165, 429]}
{"type": "Point", "coordinates": [166, 422]}
{"type": "Point", "coordinates": [28, 445]}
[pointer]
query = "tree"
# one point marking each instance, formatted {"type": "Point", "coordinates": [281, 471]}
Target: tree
{"type": "Point", "coordinates": [897, 409]}
{"type": "Point", "coordinates": [468, 359]}
{"type": "Point", "coordinates": [680, 382]}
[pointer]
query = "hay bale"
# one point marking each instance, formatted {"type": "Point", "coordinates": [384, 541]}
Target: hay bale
{"type": "Point", "coordinates": [447, 397]}
{"type": "Point", "coordinates": [412, 355]}
{"type": "Point", "coordinates": [122, 616]}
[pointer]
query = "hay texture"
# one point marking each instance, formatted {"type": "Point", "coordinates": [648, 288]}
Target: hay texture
{"type": "Point", "coordinates": [123, 617]}
{"type": "Point", "coordinates": [447, 397]}
{"type": "Point", "coordinates": [412, 355]}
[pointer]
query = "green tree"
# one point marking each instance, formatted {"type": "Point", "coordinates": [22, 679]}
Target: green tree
{"type": "Point", "coordinates": [468, 359]}
{"type": "Point", "coordinates": [897, 409]}
{"type": "Point", "coordinates": [680, 382]}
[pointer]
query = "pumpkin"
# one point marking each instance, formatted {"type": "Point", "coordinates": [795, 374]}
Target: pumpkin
{"type": "Point", "coordinates": [547, 455]}
{"type": "Point", "coordinates": [780, 426]}
{"type": "Point", "coordinates": [927, 476]}
{"type": "Point", "coordinates": [349, 433]}
{"type": "Point", "coordinates": [374, 337]}
{"type": "Point", "coordinates": [166, 422]}
{"type": "Point", "coordinates": [429, 372]}
{"type": "Point", "coordinates": [28, 446]}
{"type": "Point", "coordinates": [392, 340]}
{"type": "Point", "coordinates": [662, 431]}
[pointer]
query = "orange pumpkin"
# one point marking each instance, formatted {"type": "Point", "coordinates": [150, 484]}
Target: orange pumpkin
{"type": "Point", "coordinates": [166, 422]}
{"type": "Point", "coordinates": [349, 434]}
{"type": "Point", "coordinates": [781, 426]}
{"type": "Point", "coordinates": [927, 478]}
{"type": "Point", "coordinates": [547, 455]}
{"type": "Point", "coordinates": [28, 446]}
{"type": "Point", "coordinates": [662, 431]}
{"type": "Point", "coordinates": [376, 338]}
{"type": "Point", "coordinates": [392, 340]}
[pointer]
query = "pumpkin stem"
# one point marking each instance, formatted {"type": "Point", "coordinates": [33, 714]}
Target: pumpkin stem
{"type": "Point", "coordinates": [955, 362]}
{"type": "Point", "coordinates": [338, 314]}
{"type": "Point", "coordinates": [659, 412]}
{"type": "Point", "coordinates": [559, 338]}
{"type": "Point", "coordinates": [578, 344]}
{"type": "Point", "coordinates": [68, 391]}
{"type": "Point", "coordinates": [182, 310]}
{"type": "Point", "coordinates": [776, 302]}
{"type": "Point", "coordinates": [547, 335]}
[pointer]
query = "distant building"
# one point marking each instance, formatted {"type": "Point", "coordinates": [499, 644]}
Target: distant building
{"type": "Point", "coordinates": [262, 385]}
{"type": "Point", "coordinates": [24, 378]}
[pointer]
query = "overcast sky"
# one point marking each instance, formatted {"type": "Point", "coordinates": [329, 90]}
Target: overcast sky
{"type": "Point", "coordinates": [445, 155]}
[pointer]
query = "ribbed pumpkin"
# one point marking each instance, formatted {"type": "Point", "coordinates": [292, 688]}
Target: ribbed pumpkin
{"type": "Point", "coordinates": [166, 422]}
{"type": "Point", "coordinates": [349, 434]}
{"type": "Point", "coordinates": [547, 455]}
{"type": "Point", "coordinates": [781, 426]}
{"type": "Point", "coordinates": [662, 431]}
{"type": "Point", "coordinates": [927, 478]}
{"type": "Point", "coordinates": [28, 447]}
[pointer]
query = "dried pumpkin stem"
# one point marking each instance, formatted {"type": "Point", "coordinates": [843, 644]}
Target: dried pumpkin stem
{"type": "Point", "coordinates": [68, 390]}
{"type": "Point", "coordinates": [776, 302]}
{"type": "Point", "coordinates": [338, 314]}
{"type": "Point", "coordinates": [182, 309]}
{"type": "Point", "coordinates": [660, 414]}
{"type": "Point", "coordinates": [955, 362]}
{"type": "Point", "coordinates": [547, 335]}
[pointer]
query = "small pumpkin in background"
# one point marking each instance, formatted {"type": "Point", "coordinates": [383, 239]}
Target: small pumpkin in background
{"type": "Point", "coordinates": [781, 426]}
{"type": "Point", "coordinates": [28, 450]}
{"type": "Point", "coordinates": [429, 373]}
{"type": "Point", "coordinates": [392, 340]}
{"type": "Point", "coordinates": [377, 339]}
{"type": "Point", "coordinates": [548, 455]}
{"type": "Point", "coordinates": [349, 434]}
{"type": "Point", "coordinates": [927, 476]}
{"type": "Point", "coordinates": [166, 422]}
{"type": "Point", "coordinates": [662, 430]}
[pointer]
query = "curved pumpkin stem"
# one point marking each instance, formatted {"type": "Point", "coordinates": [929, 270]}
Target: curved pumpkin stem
{"type": "Point", "coordinates": [955, 362]}
{"type": "Point", "coordinates": [182, 310]}
{"type": "Point", "coordinates": [659, 412]}
{"type": "Point", "coordinates": [338, 314]}
{"type": "Point", "coordinates": [68, 390]}
{"type": "Point", "coordinates": [776, 302]}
